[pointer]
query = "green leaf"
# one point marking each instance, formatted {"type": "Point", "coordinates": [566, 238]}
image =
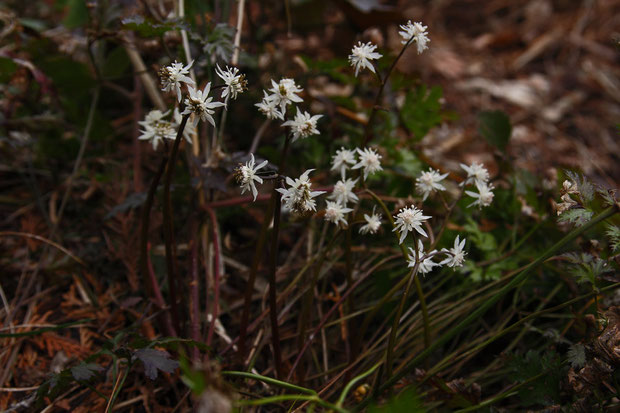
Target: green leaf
{"type": "Point", "coordinates": [77, 14]}
{"type": "Point", "coordinates": [544, 390]}
{"type": "Point", "coordinates": [576, 355]}
{"type": "Point", "coordinates": [495, 127]}
{"type": "Point", "coordinates": [613, 233]}
{"type": "Point", "coordinates": [84, 371]}
{"type": "Point", "coordinates": [585, 187]}
{"type": "Point", "coordinates": [421, 111]}
{"type": "Point", "coordinates": [34, 24]}
{"type": "Point", "coordinates": [406, 402]}
{"type": "Point", "coordinates": [577, 216]}
{"type": "Point", "coordinates": [483, 240]}
{"type": "Point", "coordinates": [133, 201]}
{"type": "Point", "coordinates": [149, 28]}
{"type": "Point", "coordinates": [155, 360]}
{"type": "Point", "coordinates": [7, 69]}
{"type": "Point", "coordinates": [116, 63]}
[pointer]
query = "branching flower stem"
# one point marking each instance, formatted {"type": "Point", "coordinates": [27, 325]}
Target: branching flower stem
{"type": "Point", "coordinates": [475, 315]}
{"type": "Point", "coordinates": [272, 211]}
{"type": "Point", "coordinates": [389, 352]}
{"type": "Point", "coordinates": [377, 103]}
{"type": "Point", "coordinates": [416, 282]}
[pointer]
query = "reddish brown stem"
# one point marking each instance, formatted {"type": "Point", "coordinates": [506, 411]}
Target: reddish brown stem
{"type": "Point", "coordinates": [216, 273]}
{"type": "Point", "coordinates": [169, 229]}
{"type": "Point", "coordinates": [158, 298]}
{"type": "Point", "coordinates": [194, 296]}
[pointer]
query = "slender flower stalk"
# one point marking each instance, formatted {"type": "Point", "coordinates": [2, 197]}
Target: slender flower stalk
{"type": "Point", "coordinates": [400, 284]}
{"type": "Point", "coordinates": [377, 103]}
{"type": "Point", "coordinates": [476, 314]}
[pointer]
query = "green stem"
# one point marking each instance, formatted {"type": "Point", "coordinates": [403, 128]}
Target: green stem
{"type": "Point", "coordinates": [477, 314]}
{"type": "Point", "coordinates": [269, 380]}
{"type": "Point", "coordinates": [352, 383]}
{"type": "Point", "coordinates": [117, 390]}
{"type": "Point", "coordinates": [286, 397]}
{"type": "Point", "coordinates": [375, 106]}
{"type": "Point", "coordinates": [416, 280]}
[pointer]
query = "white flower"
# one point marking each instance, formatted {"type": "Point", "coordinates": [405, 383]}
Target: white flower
{"type": "Point", "coordinates": [246, 175]}
{"type": "Point", "coordinates": [417, 32]}
{"type": "Point", "coordinates": [156, 128]}
{"type": "Point", "coordinates": [341, 159]}
{"type": "Point", "coordinates": [369, 160]}
{"type": "Point", "coordinates": [269, 107]}
{"type": "Point", "coordinates": [476, 173]}
{"type": "Point", "coordinates": [284, 93]}
{"type": "Point", "coordinates": [361, 55]}
{"type": "Point", "coordinates": [484, 197]}
{"type": "Point", "coordinates": [334, 212]}
{"type": "Point", "coordinates": [235, 82]}
{"type": "Point", "coordinates": [426, 263]}
{"type": "Point", "coordinates": [199, 103]}
{"type": "Point", "coordinates": [172, 76]}
{"type": "Point", "coordinates": [429, 182]}
{"type": "Point", "coordinates": [298, 197]}
{"type": "Point", "coordinates": [373, 223]}
{"type": "Point", "coordinates": [456, 254]}
{"type": "Point", "coordinates": [303, 126]}
{"type": "Point", "coordinates": [409, 219]}
{"type": "Point", "coordinates": [343, 192]}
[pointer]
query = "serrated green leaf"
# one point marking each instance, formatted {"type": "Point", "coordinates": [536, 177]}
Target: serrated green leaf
{"type": "Point", "coordinates": [495, 127]}
{"type": "Point", "coordinates": [613, 233]}
{"type": "Point", "coordinates": [585, 187]}
{"type": "Point", "coordinates": [422, 111]}
{"type": "Point", "coordinates": [576, 355]}
{"type": "Point", "coordinates": [155, 360]}
{"type": "Point", "coordinates": [546, 388]}
{"type": "Point", "coordinates": [577, 216]}
{"type": "Point", "coordinates": [84, 371]}
{"type": "Point", "coordinates": [482, 240]}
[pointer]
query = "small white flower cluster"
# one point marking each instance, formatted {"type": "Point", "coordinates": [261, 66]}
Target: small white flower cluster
{"type": "Point", "coordinates": [455, 256]}
{"type": "Point", "coordinates": [274, 104]}
{"type": "Point", "coordinates": [409, 219]}
{"type": "Point", "coordinates": [299, 196]}
{"type": "Point", "coordinates": [429, 182]}
{"type": "Point", "coordinates": [156, 128]}
{"type": "Point", "coordinates": [282, 94]}
{"type": "Point", "coordinates": [246, 175]}
{"type": "Point", "coordinates": [343, 193]}
{"type": "Point", "coordinates": [234, 81]}
{"type": "Point", "coordinates": [415, 32]}
{"type": "Point", "coordinates": [201, 105]}
{"type": "Point", "coordinates": [362, 53]}
{"type": "Point", "coordinates": [479, 176]}
{"type": "Point", "coordinates": [173, 76]}
{"type": "Point", "coordinates": [197, 103]}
